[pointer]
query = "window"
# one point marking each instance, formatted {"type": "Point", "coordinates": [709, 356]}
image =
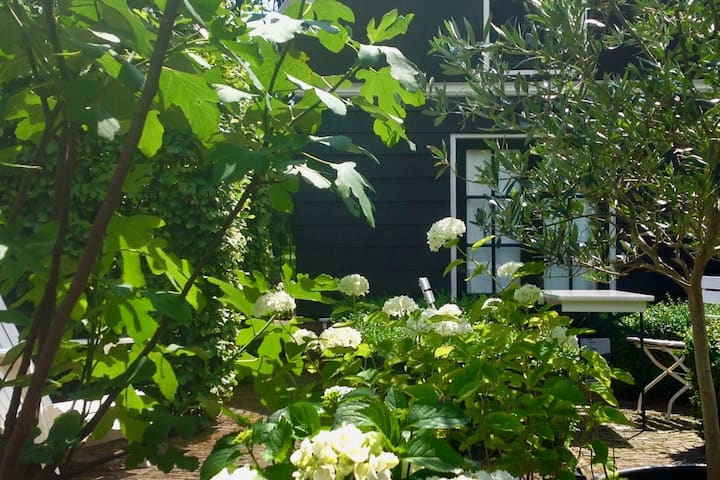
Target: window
{"type": "Point", "coordinates": [474, 202]}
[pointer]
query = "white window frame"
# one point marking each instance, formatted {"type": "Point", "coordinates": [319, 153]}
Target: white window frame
{"type": "Point", "coordinates": [455, 139]}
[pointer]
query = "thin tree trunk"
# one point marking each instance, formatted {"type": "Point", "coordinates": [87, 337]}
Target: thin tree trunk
{"type": "Point", "coordinates": [26, 418]}
{"type": "Point", "coordinates": [708, 400]}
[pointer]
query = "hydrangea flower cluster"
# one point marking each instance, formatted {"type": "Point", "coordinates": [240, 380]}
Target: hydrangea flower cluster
{"type": "Point", "coordinates": [272, 303]}
{"type": "Point", "coordinates": [446, 328]}
{"type": "Point", "coordinates": [303, 336]}
{"type": "Point", "coordinates": [480, 475]}
{"type": "Point", "coordinates": [508, 269]}
{"type": "Point", "coordinates": [443, 231]}
{"type": "Point", "coordinates": [559, 334]}
{"type": "Point", "coordinates": [242, 473]}
{"type": "Point", "coordinates": [354, 285]}
{"type": "Point", "coordinates": [346, 337]}
{"type": "Point", "coordinates": [335, 393]}
{"type": "Point", "coordinates": [399, 306]}
{"type": "Point", "coordinates": [343, 453]}
{"type": "Point", "coordinates": [527, 295]}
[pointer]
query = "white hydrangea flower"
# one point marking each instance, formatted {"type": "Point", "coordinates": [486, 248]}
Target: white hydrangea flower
{"type": "Point", "coordinates": [450, 310]}
{"type": "Point", "coordinates": [508, 269]}
{"type": "Point", "coordinates": [559, 334]}
{"type": "Point", "coordinates": [274, 302]}
{"type": "Point", "coordinates": [452, 328]}
{"type": "Point", "coordinates": [242, 473]}
{"type": "Point", "coordinates": [303, 336]}
{"type": "Point", "coordinates": [527, 295]}
{"type": "Point", "coordinates": [443, 231]}
{"type": "Point", "coordinates": [422, 324]}
{"type": "Point", "coordinates": [340, 337]}
{"type": "Point", "coordinates": [340, 453]}
{"type": "Point", "coordinates": [335, 393]}
{"type": "Point", "coordinates": [399, 306]}
{"type": "Point", "coordinates": [354, 285]}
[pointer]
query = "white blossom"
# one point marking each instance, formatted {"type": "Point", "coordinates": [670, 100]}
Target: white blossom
{"type": "Point", "coordinates": [559, 334]}
{"type": "Point", "coordinates": [450, 310]}
{"type": "Point", "coordinates": [337, 454]}
{"type": "Point", "coordinates": [270, 303]}
{"type": "Point", "coordinates": [303, 336]}
{"type": "Point", "coordinates": [508, 269]}
{"type": "Point", "coordinates": [242, 473]}
{"type": "Point", "coordinates": [443, 231]}
{"type": "Point", "coordinates": [354, 285]}
{"type": "Point", "coordinates": [451, 328]}
{"type": "Point", "coordinates": [399, 306]}
{"type": "Point", "coordinates": [527, 295]}
{"type": "Point", "coordinates": [340, 337]}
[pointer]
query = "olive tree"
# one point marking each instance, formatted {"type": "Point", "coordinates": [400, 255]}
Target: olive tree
{"type": "Point", "coordinates": [229, 77]}
{"type": "Point", "coordinates": [621, 157]}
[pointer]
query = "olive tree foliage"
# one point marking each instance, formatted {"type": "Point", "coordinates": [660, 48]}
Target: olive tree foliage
{"type": "Point", "coordinates": [622, 157]}
{"type": "Point", "coordinates": [228, 76]}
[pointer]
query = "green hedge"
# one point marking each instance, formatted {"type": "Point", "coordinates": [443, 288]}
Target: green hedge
{"type": "Point", "coordinates": [667, 319]}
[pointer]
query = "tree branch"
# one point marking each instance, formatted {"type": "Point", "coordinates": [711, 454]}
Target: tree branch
{"type": "Point", "coordinates": [34, 393]}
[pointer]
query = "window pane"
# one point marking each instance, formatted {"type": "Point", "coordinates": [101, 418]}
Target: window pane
{"type": "Point", "coordinates": [476, 159]}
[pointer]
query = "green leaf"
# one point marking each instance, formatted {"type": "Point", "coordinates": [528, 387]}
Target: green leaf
{"type": "Point", "coordinates": [481, 242]}
{"type": "Point", "coordinates": [196, 99]}
{"type": "Point", "coordinates": [228, 94]}
{"type": "Point", "coordinates": [384, 421]}
{"type": "Point", "coordinates": [164, 375]}
{"type": "Point", "coordinates": [233, 162]}
{"type": "Point", "coordinates": [171, 305]}
{"type": "Point", "coordinates": [433, 416]}
{"type": "Point", "coordinates": [391, 25]}
{"type": "Point", "coordinates": [504, 422]}
{"type": "Point", "coordinates": [280, 199]}
{"type": "Point", "coordinates": [455, 263]}
{"type": "Point", "coordinates": [335, 104]}
{"type": "Point", "coordinates": [224, 453]}
{"type": "Point", "coordinates": [152, 135]}
{"type": "Point", "coordinates": [401, 69]}
{"type": "Point", "coordinates": [432, 453]}
{"type": "Point", "coordinates": [233, 295]}
{"type": "Point", "coordinates": [275, 27]}
{"type": "Point", "coordinates": [564, 389]}
{"type": "Point", "coordinates": [118, 14]}
{"type": "Point", "coordinates": [350, 184]}
{"type": "Point", "coordinates": [304, 418]}
{"type": "Point", "coordinates": [314, 177]}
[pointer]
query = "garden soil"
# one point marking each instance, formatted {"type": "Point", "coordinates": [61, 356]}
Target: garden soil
{"type": "Point", "coordinates": [662, 442]}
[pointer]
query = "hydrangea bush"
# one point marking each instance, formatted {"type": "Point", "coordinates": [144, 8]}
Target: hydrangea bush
{"type": "Point", "coordinates": [496, 391]}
